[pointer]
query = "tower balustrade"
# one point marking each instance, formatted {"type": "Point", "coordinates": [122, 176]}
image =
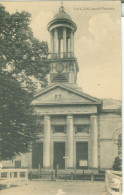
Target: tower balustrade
{"type": "Point", "coordinates": [61, 55]}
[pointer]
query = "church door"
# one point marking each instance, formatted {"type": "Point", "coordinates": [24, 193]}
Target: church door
{"type": "Point", "coordinates": [81, 153]}
{"type": "Point", "coordinates": [37, 155]}
{"type": "Point", "coordinates": [59, 153]}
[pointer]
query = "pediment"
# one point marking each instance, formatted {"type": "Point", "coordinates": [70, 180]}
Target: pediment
{"type": "Point", "coordinates": [61, 94]}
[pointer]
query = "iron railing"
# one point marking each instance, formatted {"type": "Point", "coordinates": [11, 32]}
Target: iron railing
{"type": "Point", "coordinates": [65, 175]}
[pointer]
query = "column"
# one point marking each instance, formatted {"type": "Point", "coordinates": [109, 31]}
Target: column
{"type": "Point", "coordinates": [94, 142]}
{"type": "Point", "coordinates": [46, 146]}
{"type": "Point", "coordinates": [71, 42]}
{"type": "Point", "coordinates": [55, 40]}
{"type": "Point", "coordinates": [64, 40]}
{"type": "Point", "coordinates": [59, 45]}
{"type": "Point", "coordinates": [51, 41]}
{"type": "Point", "coordinates": [70, 142]}
{"type": "Point", "coordinates": [67, 48]}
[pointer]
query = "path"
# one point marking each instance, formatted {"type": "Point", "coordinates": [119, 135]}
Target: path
{"type": "Point", "coordinates": [57, 188]}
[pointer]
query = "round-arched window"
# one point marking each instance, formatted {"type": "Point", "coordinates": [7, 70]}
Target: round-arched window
{"type": "Point", "coordinates": [120, 144]}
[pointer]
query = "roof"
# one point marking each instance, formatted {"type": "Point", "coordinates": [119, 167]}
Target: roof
{"type": "Point", "coordinates": [74, 97]}
{"type": "Point", "coordinates": [62, 95]}
{"type": "Point", "coordinates": [111, 104]}
{"type": "Point", "coordinates": [62, 15]}
{"type": "Point", "coordinates": [51, 87]}
{"type": "Point", "coordinates": [62, 19]}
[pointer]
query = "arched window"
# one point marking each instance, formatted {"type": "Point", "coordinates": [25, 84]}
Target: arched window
{"type": "Point", "coordinates": [120, 144]}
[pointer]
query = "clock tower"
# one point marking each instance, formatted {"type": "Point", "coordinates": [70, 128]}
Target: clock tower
{"type": "Point", "coordinates": [64, 66]}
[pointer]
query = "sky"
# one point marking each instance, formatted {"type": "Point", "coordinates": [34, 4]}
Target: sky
{"type": "Point", "coordinates": [97, 40]}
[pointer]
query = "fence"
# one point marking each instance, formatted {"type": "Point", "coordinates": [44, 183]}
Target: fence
{"type": "Point", "coordinates": [113, 181]}
{"type": "Point", "coordinates": [13, 176]}
{"type": "Point", "coordinates": [66, 175]}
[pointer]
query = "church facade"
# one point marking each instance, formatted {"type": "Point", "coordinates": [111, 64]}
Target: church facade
{"type": "Point", "coordinates": [76, 129]}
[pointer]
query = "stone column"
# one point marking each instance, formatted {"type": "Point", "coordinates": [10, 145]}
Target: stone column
{"type": "Point", "coordinates": [72, 42]}
{"type": "Point", "coordinates": [55, 40]}
{"type": "Point", "coordinates": [70, 142]}
{"type": "Point", "coordinates": [93, 142]}
{"type": "Point", "coordinates": [46, 146]}
{"type": "Point", "coordinates": [67, 48]}
{"type": "Point", "coordinates": [64, 40]}
{"type": "Point", "coordinates": [51, 41]}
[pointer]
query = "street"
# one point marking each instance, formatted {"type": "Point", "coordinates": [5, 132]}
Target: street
{"type": "Point", "coordinates": [57, 188]}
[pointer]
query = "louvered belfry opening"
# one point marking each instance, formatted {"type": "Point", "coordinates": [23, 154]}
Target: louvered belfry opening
{"type": "Point", "coordinates": [59, 78]}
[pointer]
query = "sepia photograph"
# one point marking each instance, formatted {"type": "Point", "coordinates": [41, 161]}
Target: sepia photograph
{"type": "Point", "coordinates": [60, 98]}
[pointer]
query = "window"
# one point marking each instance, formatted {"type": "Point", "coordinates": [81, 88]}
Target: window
{"type": "Point", "coordinates": [18, 164]}
{"type": "Point", "coordinates": [120, 144]}
{"type": "Point", "coordinates": [59, 129]}
{"type": "Point", "coordinates": [82, 129]}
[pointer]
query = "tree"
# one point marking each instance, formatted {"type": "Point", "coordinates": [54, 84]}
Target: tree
{"type": "Point", "coordinates": [23, 59]}
{"type": "Point", "coordinates": [20, 53]}
{"type": "Point", "coordinates": [17, 124]}
{"type": "Point", "coordinates": [117, 164]}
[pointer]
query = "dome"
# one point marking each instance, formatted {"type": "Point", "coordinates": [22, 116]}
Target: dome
{"type": "Point", "coordinates": [61, 19]}
{"type": "Point", "coordinates": [62, 15]}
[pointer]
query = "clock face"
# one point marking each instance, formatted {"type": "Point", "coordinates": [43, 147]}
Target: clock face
{"type": "Point", "coordinates": [59, 67]}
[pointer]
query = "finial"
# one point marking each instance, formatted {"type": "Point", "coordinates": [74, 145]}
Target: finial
{"type": "Point", "coordinates": [61, 3]}
{"type": "Point", "coordinates": [61, 9]}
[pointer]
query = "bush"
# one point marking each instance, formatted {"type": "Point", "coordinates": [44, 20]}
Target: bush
{"type": "Point", "coordinates": [117, 164]}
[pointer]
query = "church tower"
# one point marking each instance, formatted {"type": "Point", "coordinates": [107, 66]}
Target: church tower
{"type": "Point", "coordinates": [64, 66]}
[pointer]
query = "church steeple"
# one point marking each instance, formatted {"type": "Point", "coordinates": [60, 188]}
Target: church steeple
{"type": "Point", "coordinates": [64, 65]}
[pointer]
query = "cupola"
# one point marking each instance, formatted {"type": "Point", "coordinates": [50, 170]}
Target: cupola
{"type": "Point", "coordinates": [64, 65]}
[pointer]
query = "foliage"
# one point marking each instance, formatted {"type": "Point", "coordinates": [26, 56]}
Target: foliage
{"type": "Point", "coordinates": [20, 53]}
{"type": "Point", "coordinates": [23, 59]}
{"type": "Point", "coordinates": [117, 164]}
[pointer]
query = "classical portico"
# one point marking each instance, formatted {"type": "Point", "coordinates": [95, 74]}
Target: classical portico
{"type": "Point", "coordinates": [69, 128]}
{"type": "Point", "coordinates": [69, 137]}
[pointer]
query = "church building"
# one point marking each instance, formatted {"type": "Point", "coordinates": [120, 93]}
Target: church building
{"type": "Point", "coordinates": [76, 129]}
